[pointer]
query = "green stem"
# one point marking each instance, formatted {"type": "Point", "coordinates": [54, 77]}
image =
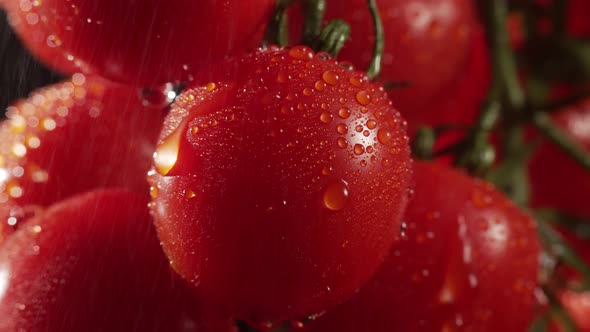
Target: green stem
{"type": "Point", "coordinates": [313, 11]}
{"type": "Point", "coordinates": [543, 122]}
{"type": "Point", "coordinates": [503, 59]}
{"type": "Point", "coordinates": [478, 155]}
{"type": "Point", "coordinates": [375, 65]}
{"type": "Point", "coordinates": [277, 30]}
{"type": "Point", "coordinates": [560, 249]}
{"type": "Point", "coordinates": [561, 315]}
{"type": "Point", "coordinates": [333, 37]}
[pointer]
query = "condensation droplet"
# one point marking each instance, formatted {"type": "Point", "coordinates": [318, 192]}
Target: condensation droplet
{"type": "Point", "coordinates": [344, 113]}
{"type": "Point", "coordinates": [384, 136]}
{"type": "Point", "coordinates": [342, 129]}
{"type": "Point", "coordinates": [326, 117]}
{"type": "Point", "coordinates": [336, 195]}
{"type": "Point", "coordinates": [330, 77]}
{"type": "Point", "coordinates": [363, 97]}
{"type": "Point", "coordinates": [359, 149]}
{"type": "Point", "coordinates": [167, 151]}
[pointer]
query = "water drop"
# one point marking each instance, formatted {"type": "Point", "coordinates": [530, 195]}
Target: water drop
{"type": "Point", "coordinates": [320, 86]}
{"type": "Point", "coordinates": [342, 143]}
{"type": "Point", "coordinates": [363, 97]}
{"type": "Point", "coordinates": [330, 77]}
{"type": "Point", "coordinates": [167, 151]}
{"type": "Point", "coordinates": [326, 117]}
{"type": "Point", "coordinates": [359, 149]}
{"type": "Point", "coordinates": [301, 53]}
{"type": "Point", "coordinates": [342, 129]}
{"type": "Point", "coordinates": [384, 135]}
{"type": "Point", "coordinates": [344, 113]}
{"type": "Point", "coordinates": [336, 195]}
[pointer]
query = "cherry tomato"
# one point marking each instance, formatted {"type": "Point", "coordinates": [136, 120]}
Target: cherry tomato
{"type": "Point", "coordinates": [577, 305]}
{"type": "Point", "coordinates": [463, 105]}
{"type": "Point", "coordinates": [72, 137]}
{"type": "Point", "coordinates": [550, 168]}
{"type": "Point", "coordinates": [467, 261]}
{"type": "Point", "coordinates": [139, 42]}
{"type": "Point", "coordinates": [577, 18]}
{"type": "Point", "coordinates": [93, 263]}
{"type": "Point", "coordinates": [278, 188]}
{"type": "Point", "coordinates": [419, 34]}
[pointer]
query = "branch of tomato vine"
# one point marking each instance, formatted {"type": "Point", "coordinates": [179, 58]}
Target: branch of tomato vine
{"type": "Point", "coordinates": [375, 66]}
{"type": "Point", "coordinates": [277, 30]}
{"type": "Point", "coordinates": [546, 127]}
{"type": "Point", "coordinates": [332, 37]}
{"type": "Point", "coordinates": [313, 12]}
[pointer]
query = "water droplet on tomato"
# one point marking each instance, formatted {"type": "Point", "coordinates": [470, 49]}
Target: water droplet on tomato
{"type": "Point", "coordinates": [342, 129]}
{"type": "Point", "coordinates": [301, 53]}
{"type": "Point", "coordinates": [330, 77]}
{"type": "Point", "coordinates": [167, 151]}
{"type": "Point", "coordinates": [336, 195]}
{"type": "Point", "coordinates": [326, 117]}
{"type": "Point", "coordinates": [320, 86]}
{"type": "Point", "coordinates": [342, 143]}
{"type": "Point", "coordinates": [363, 97]}
{"type": "Point", "coordinates": [384, 135]}
{"type": "Point", "coordinates": [359, 149]}
{"type": "Point", "coordinates": [153, 192]}
{"type": "Point", "coordinates": [344, 113]}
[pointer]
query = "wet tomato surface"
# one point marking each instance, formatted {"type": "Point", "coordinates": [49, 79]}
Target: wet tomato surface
{"type": "Point", "coordinates": [279, 186]}
{"type": "Point", "coordinates": [467, 261]}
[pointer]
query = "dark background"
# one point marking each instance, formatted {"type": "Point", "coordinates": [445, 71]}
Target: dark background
{"type": "Point", "coordinates": [20, 73]}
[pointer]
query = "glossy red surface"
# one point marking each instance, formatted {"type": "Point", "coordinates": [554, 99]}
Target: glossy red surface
{"type": "Point", "coordinates": [279, 187]}
{"type": "Point", "coordinates": [71, 137]}
{"type": "Point", "coordinates": [143, 43]}
{"type": "Point", "coordinates": [556, 179]}
{"type": "Point", "coordinates": [93, 263]}
{"type": "Point", "coordinates": [467, 261]}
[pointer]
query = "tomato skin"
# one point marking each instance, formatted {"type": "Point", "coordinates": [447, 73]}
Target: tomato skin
{"type": "Point", "coordinates": [468, 262]}
{"type": "Point", "coordinates": [418, 34]}
{"type": "Point", "coordinates": [277, 205]}
{"type": "Point", "coordinates": [93, 263]}
{"type": "Point", "coordinates": [550, 168]}
{"type": "Point", "coordinates": [71, 137]}
{"type": "Point", "coordinates": [129, 41]}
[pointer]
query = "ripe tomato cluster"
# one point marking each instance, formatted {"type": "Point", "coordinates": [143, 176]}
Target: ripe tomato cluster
{"type": "Point", "coordinates": [188, 176]}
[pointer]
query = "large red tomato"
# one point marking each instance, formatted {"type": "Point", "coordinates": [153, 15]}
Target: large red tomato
{"type": "Point", "coordinates": [72, 137]}
{"type": "Point", "coordinates": [467, 261]}
{"type": "Point", "coordinates": [93, 263]}
{"type": "Point", "coordinates": [279, 187]}
{"type": "Point", "coordinates": [427, 43]}
{"type": "Point", "coordinates": [556, 179]}
{"type": "Point", "coordinates": [139, 42]}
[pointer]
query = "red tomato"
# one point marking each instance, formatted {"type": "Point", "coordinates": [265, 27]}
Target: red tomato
{"type": "Point", "coordinates": [463, 104]}
{"type": "Point", "coordinates": [427, 43]}
{"type": "Point", "coordinates": [578, 306]}
{"type": "Point", "coordinates": [139, 42]}
{"type": "Point", "coordinates": [280, 186]}
{"type": "Point", "coordinates": [72, 137]}
{"type": "Point", "coordinates": [550, 168]}
{"type": "Point", "coordinates": [93, 263]}
{"type": "Point", "coordinates": [578, 24]}
{"type": "Point", "coordinates": [467, 261]}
